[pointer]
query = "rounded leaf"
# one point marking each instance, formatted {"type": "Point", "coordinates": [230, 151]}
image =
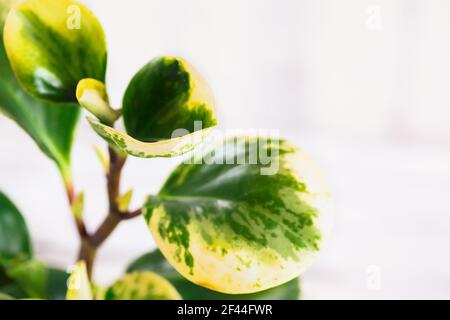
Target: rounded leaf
{"type": "Point", "coordinates": [14, 237]}
{"type": "Point", "coordinates": [166, 95]}
{"type": "Point", "coordinates": [142, 286]}
{"type": "Point", "coordinates": [249, 215]}
{"type": "Point", "coordinates": [52, 45]}
{"type": "Point", "coordinates": [155, 262]}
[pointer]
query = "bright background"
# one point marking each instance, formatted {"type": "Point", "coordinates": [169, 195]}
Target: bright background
{"type": "Point", "coordinates": [362, 86]}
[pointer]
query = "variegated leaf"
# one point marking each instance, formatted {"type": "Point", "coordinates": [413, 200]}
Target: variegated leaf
{"type": "Point", "coordinates": [142, 286]}
{"type": "Point", "coordinates": [78, 285]}
{"type": "Point", "coordinates": [251, 216]}
{"type": "Point", "coordinates": [155, 262]}
{"type": "Point", "coordinates": [52, 45]}
{"type": "Point", "coordinates": [167, 94]}
{"type": "Point", "coordinates": [165, 148]}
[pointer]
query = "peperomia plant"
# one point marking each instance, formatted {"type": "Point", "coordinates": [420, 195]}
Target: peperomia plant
{"type": "Point", "coordinates": [240, 217]}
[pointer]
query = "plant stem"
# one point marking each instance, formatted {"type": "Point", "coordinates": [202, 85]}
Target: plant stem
{"type": "Point", "coordinates": [91, 242]}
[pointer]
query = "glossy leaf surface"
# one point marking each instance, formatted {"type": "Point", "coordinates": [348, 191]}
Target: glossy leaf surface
{"type": "Point", "coordinates": [52, 45]}
{"type": "Point", "coordinates": [165, 95]}
{"type": "Point", "coordinates": [165, 148]}
{"type": "Point", "coordinates": [142, 286]}
{"type": "Point", "coordinates": [50, 126]}
{"type": "Point", "coordinates": [14, 237]}
{"type": "Point", "coordinates": [156, 262]}
{"type": "Point", "coordinates": [242, 222]}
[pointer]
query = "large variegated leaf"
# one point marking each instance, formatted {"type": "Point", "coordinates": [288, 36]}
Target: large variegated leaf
{"type": "Point", "coordinates": [165, 148]}
{"type": "Point", "coordinates": [52, 45]}
{"type": "Point", "coordinates": [167, 94]}
{"type": "Point", "coordinates": [15, 241]}
{"type": "Point", "coordinates": [155, 262]}
{"type": "Point", "coordinates": [50, 126]}
{"type": "Point", "coordinates": [251, 216]}
{"type": "Point", "coordinates": [142, 286]}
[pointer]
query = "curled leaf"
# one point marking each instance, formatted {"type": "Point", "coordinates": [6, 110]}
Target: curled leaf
{"type": "Point", "coordinates": [165, 148]}
{"type": "Point", "coordinates": [92, 95]}
{"type": "Point", "coordinates": [166, 95]}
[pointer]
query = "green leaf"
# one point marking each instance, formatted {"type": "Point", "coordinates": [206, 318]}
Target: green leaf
{"type": "Point", "coordinates": [248, 215]}
{"type": "Point", "coordinates": [32, 277]}
{"type": "Point", "coordinates": [165, 148]}
{"type": "Point", "coordinates": [52, 45]}
{"type": "Point", "coordinates": [78, 285]}
{"type": "Point", "coordinates": [4, 296]}
{"type": "Point", "coordinates": [166, 95]}
{"type": "Point", "coordinates": [142, 286]}
{"type": "Point", "coordinates": [155, 262]}
{"type": "Point", "coordinates": [50, 126]}
{"type": "Point", "coordinates": [14, 237]}
{"type": "Point", "coordinates": [56, 284]}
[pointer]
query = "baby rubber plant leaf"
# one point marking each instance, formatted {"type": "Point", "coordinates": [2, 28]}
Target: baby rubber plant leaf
{"type": "Point", "coordinates": [78, 285]}
{"type": "Point", "coordinates": [168, 109]}
{"type": "Point", "coordinates": [247, 215]}
{"type": "Point", "coordinates": [50, 126]}
{"type": "Point", "coordinates": [155, 262]}
{"type": "Point", "coordinates": [52, 45]}
{"type": "Point", "coordinates": [142, 286]}
{"type": "Point", "coordinates": [14, 237]}
{"type": "Point", "coordinates": [32, 276]}
{"type": "Point", "coordinates": [4, 296]}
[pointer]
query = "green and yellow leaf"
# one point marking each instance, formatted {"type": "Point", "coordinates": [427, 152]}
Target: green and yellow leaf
{"type": "Point", "coordinates": [165, 148]}
{"type": "Point", "coordinates": [52, 45]}
{"type": "Point", "coordinates": [167, 94]}
{"type": "Point", "coordinates": [50, 126]}
{"type": "Point", "coordinates": [78, 285]}
{"type": "Point", "coordinates": [241, 222]}
{"type": "Point", "coordinates": [142, 286]}
{"type": "Point", "coordinates": [155, 262]}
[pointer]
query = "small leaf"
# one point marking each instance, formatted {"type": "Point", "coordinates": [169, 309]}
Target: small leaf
{"type": "Point", "coordinates": [165, 148]}
{"type": "Point", "coordinates": [32, 277]}
{"type": "Point", "coordinates": [251, 215]}
{"type": "Point", "coordinates": [50, 126]}
{"type": "Point", "coordinates": [104, 159]}
{"type": "Point", "coordinates": [124, 200]}
{"type": "Point", "coordinates": [142, 286]}
{"type": "Point", "coordinates": [52, 45]}
{"type": "Point", "coordinates": [155, 262]}
{"type": "Point", "coordinates": [78, 285]}
{"type": "Point", "coordinates": [167, 94]}
{"type": "Point", "coordinates": [92, 96]}
{"type": "Point", "coordinates": [78, 206]}
{"type": "Point", "coordinates": [14, 237]}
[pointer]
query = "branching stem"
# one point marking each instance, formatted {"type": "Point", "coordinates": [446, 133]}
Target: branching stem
{"type": "Point", "coordinates": [90, 242]}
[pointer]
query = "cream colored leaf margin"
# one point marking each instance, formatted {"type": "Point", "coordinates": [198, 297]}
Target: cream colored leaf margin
{"type": "Point", "coordinates": [160, 149]}
{"type": "Point", "coordinates": [78, 285]}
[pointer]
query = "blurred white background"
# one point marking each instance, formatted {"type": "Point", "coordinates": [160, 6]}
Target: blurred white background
{"type": "Point", "coordinates": [362, 86]}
